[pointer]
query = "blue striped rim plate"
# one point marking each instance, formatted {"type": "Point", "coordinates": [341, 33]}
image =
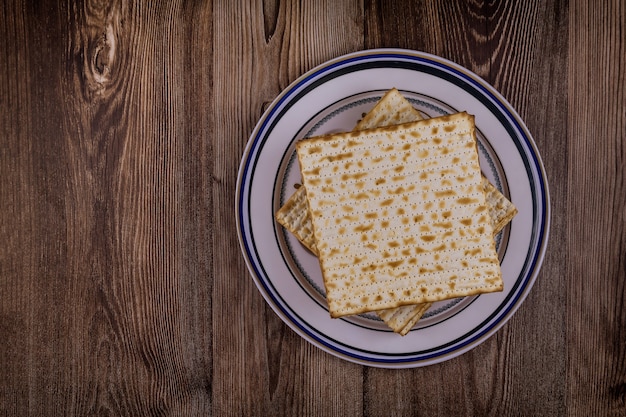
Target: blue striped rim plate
{"type": "Point", "coordinates": [333, 97]}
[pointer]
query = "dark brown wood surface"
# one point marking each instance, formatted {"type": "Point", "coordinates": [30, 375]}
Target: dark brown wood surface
{"type": "Point", "coordinates": [122, 287]}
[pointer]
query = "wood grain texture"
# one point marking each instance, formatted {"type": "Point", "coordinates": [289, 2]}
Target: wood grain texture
{"type": "Point", "coordinates": [115, 310]}
{"type": "Point", "coordinates": [122, 287]}
{"type": "Point", "coordinates": [16, 188]}
{"type": "Point", "coordinates": [597, 200]}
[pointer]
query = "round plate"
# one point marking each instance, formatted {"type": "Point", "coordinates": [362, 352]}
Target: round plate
{"type": "Point", "coordinates": [332, 98]}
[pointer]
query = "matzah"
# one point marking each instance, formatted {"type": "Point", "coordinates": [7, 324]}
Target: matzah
{"type": "Point", "coordinates": [402, 319]}
{"type": "Point", "coordinates": [364, 189]}
{"type": "Point", "coordinates": [294, 216]}
{"type": "Point", "coordinates": [391, 109]}
{"type": "Point", "coordinates": [501, 209]}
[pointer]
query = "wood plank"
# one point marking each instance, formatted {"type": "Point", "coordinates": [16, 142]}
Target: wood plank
{"type": "Point", "coordinates": [17, 260]}
{"type": "Point", "coordinates": [596, 313]}
{"type": "Point", "coordinates": [35, 278]}
{"type": "Point", "coordinates": [117, 306]}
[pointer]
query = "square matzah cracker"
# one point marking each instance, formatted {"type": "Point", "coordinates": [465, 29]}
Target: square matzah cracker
{"type": "Point", "coordinates": [399, 215]}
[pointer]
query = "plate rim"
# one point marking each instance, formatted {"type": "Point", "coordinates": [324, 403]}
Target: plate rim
{"type": "Point", "coordinates": [538, 251]}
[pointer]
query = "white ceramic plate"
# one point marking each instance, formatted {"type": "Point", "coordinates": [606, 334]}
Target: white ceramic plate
{"type": "Point", "coordinates": [332, 98]}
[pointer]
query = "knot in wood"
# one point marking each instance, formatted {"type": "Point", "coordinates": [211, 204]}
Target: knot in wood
{"type": "Point", "coordinates": [103, 57]}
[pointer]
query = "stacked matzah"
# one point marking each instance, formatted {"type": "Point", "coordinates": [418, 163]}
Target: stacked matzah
{"type": "Point", "coordinates": [395, 109]}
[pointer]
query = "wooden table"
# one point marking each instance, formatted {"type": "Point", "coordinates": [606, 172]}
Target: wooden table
{"type": "Point", "coordinates": [123, 288]}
